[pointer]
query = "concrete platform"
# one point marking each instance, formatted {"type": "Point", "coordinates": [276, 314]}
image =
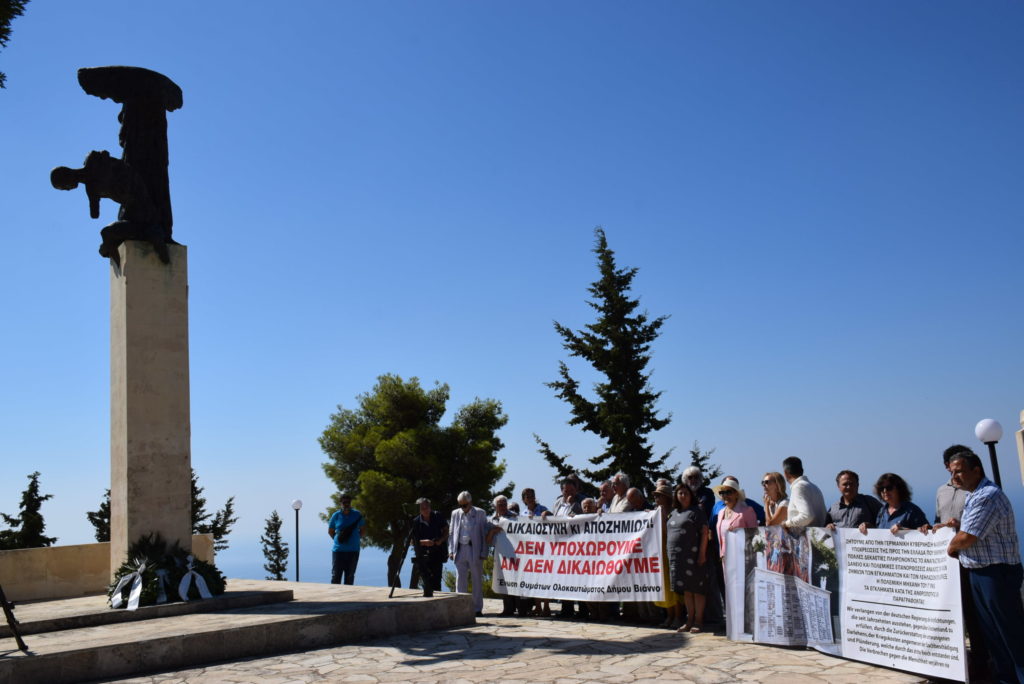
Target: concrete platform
{"type": "Point", "coordinates": [320, 615]}
{"type": "Point", "coordinates": [541, 651]}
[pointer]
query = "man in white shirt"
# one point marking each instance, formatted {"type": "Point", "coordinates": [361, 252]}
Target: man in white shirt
{"type": "Point", "coordinates": [620, 485]}
{"type": "Point", "coordinates": [806, 502]}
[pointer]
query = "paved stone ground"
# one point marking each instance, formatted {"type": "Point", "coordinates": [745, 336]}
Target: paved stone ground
{"type": "Point", "coordinates": [528, 651]}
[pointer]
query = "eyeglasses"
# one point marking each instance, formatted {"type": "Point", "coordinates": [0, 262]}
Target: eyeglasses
{"type": "Point", "coordinates": [765, 483]}
{"type": "Point", "coordinates": [887, 488]}
{"type": "Point", "coordinates": [726, 492]}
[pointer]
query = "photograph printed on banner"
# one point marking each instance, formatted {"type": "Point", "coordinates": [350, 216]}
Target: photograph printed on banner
{"type": "Point", "coordinates": [790, 580]}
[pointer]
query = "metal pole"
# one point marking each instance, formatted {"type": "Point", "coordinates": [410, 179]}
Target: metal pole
{"type": "Point", "coordinates": [296, 544]}
{"type": "Point", "coordinates": [995, 464]}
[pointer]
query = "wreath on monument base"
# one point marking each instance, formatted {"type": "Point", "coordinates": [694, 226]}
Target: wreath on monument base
{"type": "Point", "coordinates": [158, 572]}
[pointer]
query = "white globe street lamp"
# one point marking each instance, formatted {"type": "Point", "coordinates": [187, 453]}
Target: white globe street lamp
{"type": "Point", "coordinates": [297, 504]}
{"type": "Point", "coordinates": [989, 431]}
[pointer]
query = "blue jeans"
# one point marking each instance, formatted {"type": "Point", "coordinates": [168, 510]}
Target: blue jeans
{"type": "Point", "coordinates": [344, 563]}
{"type": "Point", "coordinates": [996, 591]}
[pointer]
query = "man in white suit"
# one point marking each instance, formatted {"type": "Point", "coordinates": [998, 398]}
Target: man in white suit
{"type": "Point", "coordinates": [467, 546]}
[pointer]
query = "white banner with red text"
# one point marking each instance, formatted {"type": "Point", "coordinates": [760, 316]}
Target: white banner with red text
{"type": "Point", "coordinates": [601, 557]}
{"type": "Point", "coordinates": [882, 598]}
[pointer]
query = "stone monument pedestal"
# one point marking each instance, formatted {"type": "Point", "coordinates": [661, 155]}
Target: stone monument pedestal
{"type": "Point", "coordinates": [150, 431]}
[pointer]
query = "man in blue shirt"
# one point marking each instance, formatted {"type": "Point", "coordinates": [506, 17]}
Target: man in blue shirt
{"type": "Point", "coordinates": [345, 527]}
{"type": "Point", "coordinates": [988, 548]}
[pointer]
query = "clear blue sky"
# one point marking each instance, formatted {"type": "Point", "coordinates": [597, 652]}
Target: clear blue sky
{"type": "Point", "coordinates": [826, 198]}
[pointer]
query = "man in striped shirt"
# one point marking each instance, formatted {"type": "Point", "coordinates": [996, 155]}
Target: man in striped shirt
{"type": "Point", "coordinates": [988, 548]}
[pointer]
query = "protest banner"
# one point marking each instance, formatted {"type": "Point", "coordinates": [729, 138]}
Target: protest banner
{"type": "Point", "coordinates": [882, 598]}
{"type": "Point", "coordinates": [602, 557]}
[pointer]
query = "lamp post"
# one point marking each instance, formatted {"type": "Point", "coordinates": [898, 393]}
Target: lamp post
{"type": "Point", "coordinates": [297, 504]}
{"type": "Point", "coordinates": [989, 432]}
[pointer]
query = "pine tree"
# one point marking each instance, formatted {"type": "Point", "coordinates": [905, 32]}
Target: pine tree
{"type": "Point", "coordinates": [702, 460]}
{"type": "Point", "coordinates": [617, 345]}
{"type": "Point", "coordinates": [222, 522]}
{"type": "Point", "coordinates": [27, 529]}
{"type": "Point", "coordinates": [220, 526]}
{"type": "Point", "coordinates": [274, 550]}
{"type": "Point", "coordinates": [100, 519]}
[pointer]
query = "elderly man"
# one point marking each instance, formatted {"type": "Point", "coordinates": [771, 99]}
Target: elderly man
{"type": "Point", "coordinates": [607, 495]}
{"type": "Point", "coordinates": [620, 485]}
{"type": "Point", "coordinates": [806, 503]}
{"type": "Point", "coordinates": [693, 478]}
{"type": "Point", "coordinates": [428, 535]}
{"type": "Point", "coordinates": [467, 546]}
{"type": "Point", "coordinates": [495, 537]}
{"type": "Point", "coordinates": [853, 508]}
{"type": "Point", "coordinates": [988, 548]}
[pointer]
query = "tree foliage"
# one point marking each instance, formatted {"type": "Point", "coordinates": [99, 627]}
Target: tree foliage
{"type": "Point", "coordinates": [221, 522]}
{"type": "Point", "coordinates": [218, 524]}
{"type": "Point", "coordinates": [392, 449]}
{"type": "Point", "coordinates": [9, 9]}
{"type": "Point", "coordinates": [274, 549]}
{"type": "Point", "coordinates": [702, 459]}
{"type": "Point", "coordinates": [617, 345]}
{"type": "Point", "coordinates": [100, 519]}
{"type": "Point", "coordinates": [26, 529]}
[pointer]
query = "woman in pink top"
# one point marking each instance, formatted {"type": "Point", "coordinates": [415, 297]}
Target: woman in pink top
{"type": "Point", "coordinates": [736, 514]}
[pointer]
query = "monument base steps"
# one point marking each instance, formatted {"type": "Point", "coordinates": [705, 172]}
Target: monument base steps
{"type": "Point", "coordinates": [255, 618]}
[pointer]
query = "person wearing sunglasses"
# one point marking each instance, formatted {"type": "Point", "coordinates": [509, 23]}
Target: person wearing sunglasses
{"type": "Point", "coordinates": [775, 502]}
{"type": "Point", "coordinates": [897, 512]}
{"type": "Point", "coordinates": [736, 514]}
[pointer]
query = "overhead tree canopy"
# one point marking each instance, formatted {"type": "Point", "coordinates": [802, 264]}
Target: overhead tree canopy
{"type": "Point", "coordinates": [27, 528]}
{"type": "Point", "coordinates": [9, 9]}
{"type": "Point", "coordinates": [392, 449]}
{"type": "Point", "coordinates": [623, 412]}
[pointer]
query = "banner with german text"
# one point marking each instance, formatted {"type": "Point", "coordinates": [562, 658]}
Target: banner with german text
{"type": "Point", "coordinates": [602, 557]}
{"type": "Point", "coordinates": [882, 598]}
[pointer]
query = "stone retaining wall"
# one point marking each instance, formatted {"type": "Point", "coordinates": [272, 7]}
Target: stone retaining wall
{"type": "Point", "coordinates": [56, 572]}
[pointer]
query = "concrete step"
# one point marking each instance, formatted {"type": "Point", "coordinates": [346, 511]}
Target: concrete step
{"type": "Point", "coordinates": [321, 615]}
{"type": "Point", "coordinates": [92, 611]}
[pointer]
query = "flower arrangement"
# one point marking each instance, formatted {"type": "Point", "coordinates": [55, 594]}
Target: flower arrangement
{"type": "Point", "coordinates": [156, 572]}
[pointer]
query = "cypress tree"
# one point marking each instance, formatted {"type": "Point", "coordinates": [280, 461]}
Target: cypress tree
{"type": "Point", "coordinates": [274, 550]}
{"type": "Point", "coordinates": [27, 529]}
{"type": "Point", "coordinates": [623, 413]}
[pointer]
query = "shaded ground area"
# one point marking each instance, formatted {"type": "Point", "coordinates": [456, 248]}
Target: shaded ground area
{"type": "Point", "coordinates": [529, 650]}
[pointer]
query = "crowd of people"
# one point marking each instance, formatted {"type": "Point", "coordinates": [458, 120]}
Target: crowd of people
{"type": "Point", "coordinates": [696, 520]}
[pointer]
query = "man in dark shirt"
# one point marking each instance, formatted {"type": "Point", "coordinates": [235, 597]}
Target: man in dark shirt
{"type": "Point", "coordinates": [428, 536]}
{"type": "Point", "coordinates": [853, 508]}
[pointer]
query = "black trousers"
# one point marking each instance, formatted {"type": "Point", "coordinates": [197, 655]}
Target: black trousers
{"type": "Point", "coordinates": [430, 566]}
{"type": "Point", "coordinates": [344, 563]}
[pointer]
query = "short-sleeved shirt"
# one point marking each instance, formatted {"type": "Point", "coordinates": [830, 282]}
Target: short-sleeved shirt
{"type": "Point", "coordinates": [988, 516]}
{"type": "Point", "coordinates": [949, 502]}
{"type": "Point", "coordinates": [338, 521]}
{"type": "Point", "coordinates": [909, 515]}
{"type": "Point", "coordinates": [864, 509]}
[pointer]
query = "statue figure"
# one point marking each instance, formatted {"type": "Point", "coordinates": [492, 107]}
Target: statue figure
{"type": "Point", "coordinates": [138, 180]}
